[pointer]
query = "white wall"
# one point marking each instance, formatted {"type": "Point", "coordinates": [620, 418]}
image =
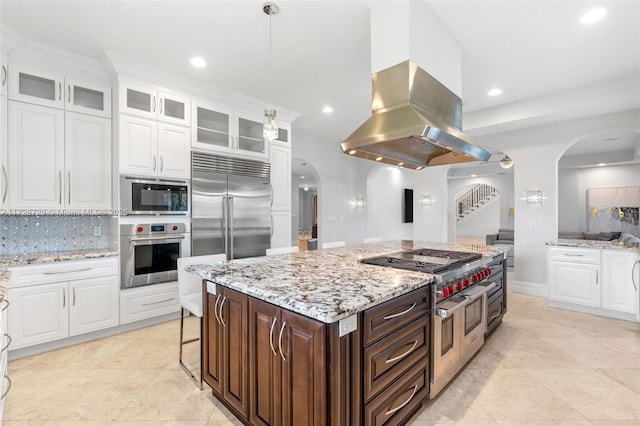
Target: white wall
{"type": "Point", "coordinates": [569, 208]}
{"type": "Point", "coordinates": [483, 221]}
{"type": "Point", "coordinates": [430, 223]}
{"type": "Point", "coordinates": [384, 203]}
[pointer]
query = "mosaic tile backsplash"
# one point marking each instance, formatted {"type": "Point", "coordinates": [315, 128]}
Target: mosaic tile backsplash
{"type": "Point", "coordinates": [30, 234]}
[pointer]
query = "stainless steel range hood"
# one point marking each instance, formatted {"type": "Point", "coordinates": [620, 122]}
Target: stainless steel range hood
{"type": "Point", "coordinates": [415, 122]}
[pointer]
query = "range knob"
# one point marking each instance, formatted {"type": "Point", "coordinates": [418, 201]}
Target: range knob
{"type": "Point", "coordinates": [475, 278]}
{"type": "Point", "coordinates": [466, 282]}
{"type": "Point", "coordinates": [459, 285]}
{"type": "Point", "coordinates": [445, 292]}
{"type": "Point", "coordinates": [451, 290]}
{"type": "Point", "coordinates": [139, 229]}
{"type": "Point", "coordinates": [488, 271]}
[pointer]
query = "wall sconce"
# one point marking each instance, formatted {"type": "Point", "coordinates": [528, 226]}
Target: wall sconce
{"type": "Point", "coordinates": [358, 203]}
{"type": "Point", "coordinates": [534, 197]}
{"type": "Point", "coordinates": [426, 200]}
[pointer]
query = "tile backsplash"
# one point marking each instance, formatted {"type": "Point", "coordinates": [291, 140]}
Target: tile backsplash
{"type": "Point", "coordinates": [29, 234]}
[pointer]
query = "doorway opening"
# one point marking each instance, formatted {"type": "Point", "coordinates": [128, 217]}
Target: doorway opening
{"type": "Point", "coordinates": [305, 204]}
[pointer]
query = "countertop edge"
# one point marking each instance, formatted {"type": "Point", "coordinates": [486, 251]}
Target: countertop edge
{"type": "Point", "coordinates": [595, 244]}
{"type": "Point", "coordinates": [52, 257]}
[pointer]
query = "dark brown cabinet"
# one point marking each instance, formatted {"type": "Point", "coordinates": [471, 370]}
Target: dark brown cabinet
{"type": "Point", "coordinates": [287, 367]}
{"type": "Point", "coordinates": [224, 350]}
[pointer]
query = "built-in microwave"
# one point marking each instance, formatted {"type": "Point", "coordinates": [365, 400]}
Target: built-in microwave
{"type": "Point", "coordinates": [154, 196]}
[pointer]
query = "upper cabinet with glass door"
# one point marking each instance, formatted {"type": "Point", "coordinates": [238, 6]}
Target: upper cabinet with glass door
{"type": "Point", "coordinates": [49, 88]}
{"type": "Point", "coordinates": [146, 100]}
{"type": "Point", "coordinates": [220, 129]}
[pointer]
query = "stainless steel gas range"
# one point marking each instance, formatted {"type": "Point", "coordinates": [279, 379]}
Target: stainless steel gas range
{"type": "Point", "coordinates": [465, 282]}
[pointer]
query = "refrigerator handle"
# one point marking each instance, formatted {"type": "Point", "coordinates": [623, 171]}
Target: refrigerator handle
{"type": "Point", "coordinates": [225, 220]}
{"type": "Point", "coordinates": [231, 225]}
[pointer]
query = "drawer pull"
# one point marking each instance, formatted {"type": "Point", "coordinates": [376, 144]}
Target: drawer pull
{"type": "Point", "coordinates": [6, 305]}
{"type": "Point", "coordinates": [574, 255]}
{"type": "Point", "coordinates": [394, 359]}
{"type": "Point", "coordinates": [8, 387]}
{"type": "Point", "coordinates": [280, 341]}
{"type": "Point", "coordinates": [496, 315]}
{"type": "Point", "coordinates": [68, 271]}
{"type": "Point", "coordinates": [388, 317]}
{"type": "Point", "coordinates": [215, 309]}
{"type": "Point", "coordinates": [393, 410]}
{"type": "Point", "coordinates": [273, 324]}
{"type": "Point", "coordinates": [222, 306]}
{"type": "Point", "coordinates": [8, 343]}
{"type": "Point", "coordinates": [159, 301]}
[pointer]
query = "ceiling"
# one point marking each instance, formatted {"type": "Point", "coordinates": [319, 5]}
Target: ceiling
{"type": "Point", "coordinates": [321, 49]}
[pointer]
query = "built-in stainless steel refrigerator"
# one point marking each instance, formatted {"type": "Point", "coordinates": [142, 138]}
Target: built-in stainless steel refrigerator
{"type": "Point", "coordinates": [230, 206]}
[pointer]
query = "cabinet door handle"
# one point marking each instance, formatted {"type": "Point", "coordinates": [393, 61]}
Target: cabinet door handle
{"type": "Point", "coordinates": [6, 183]}
{"type": "Point", "coordinates": [154, 163]}
{"type": "Point", "coordinates": [8, 343]}
{"type": "Point", "coordinates": [6, 305]}
{"type": "Point", "coordinates": [8, 387]}
{"type": "Point", "coordinates": [59, 91]}
{"type": "Point", "coordinates": [69, 185]}
{"type": "Point", "coordinates": [69, 94]}
{"type": "Point", "coordinates": [222, 306]}
{"type": "Point", "coordinates": [273, 324]}
{"type": "Point", "coordinates": [215, 309]}
{"type": "Point", "coordinates": [74, 297]}
{"type": "Point", "coordinates": [161, 163]}
{"type": "Point", "coordinates": [161, 104]}
{"type": "Point", "coordinates": [597, 273]}
{"type": "Point", "coordinates": [4, 75]}
{"type": "Point", "coordinates": [394, 359]}
{"type": "Point", "coordinates": [393, 410]}
{"type": "Point", "coordinates": [388, 317]}
{"type": "Point", "coordinates": [280, 341]}
{"type": "Point", "coordinates": [153, 106]}
{"type": "Point", "coordinates": [64, 297]}
{"type": "Point", "coordinates": [633, 276]}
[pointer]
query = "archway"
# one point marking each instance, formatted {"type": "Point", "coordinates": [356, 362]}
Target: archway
{"type": "Point", "coordinates": [305, 203]}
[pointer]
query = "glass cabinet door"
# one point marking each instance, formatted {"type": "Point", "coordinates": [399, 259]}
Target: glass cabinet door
{"type": "Point", "coordinates": [174, 109]}
{"type": "Point", "coordinates": [212, 128]}
{"type": "Point", "coordinates": [88, 98]}
{"type": "Point", "coordinates": [250, 136]}
{"type": "Point", "coordinates": [36, 87]}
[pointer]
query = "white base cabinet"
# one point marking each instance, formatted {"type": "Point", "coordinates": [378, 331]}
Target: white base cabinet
{"type": "Point", "coordinates": [597, 281]}
{"type": "Point", "coordinates": [5, 341]}
{"type": "Point", "coordinates": [54, 301]}
{"type": "Point", "coordinates": [149, 301]}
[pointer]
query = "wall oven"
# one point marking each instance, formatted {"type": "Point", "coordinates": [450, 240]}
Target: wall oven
{"type": "Point", "coordinates": [154, 196]}
{"type": "Point", "coordinates": [459, 327]}
{"type": "Point", "coordinates": [149, 252]}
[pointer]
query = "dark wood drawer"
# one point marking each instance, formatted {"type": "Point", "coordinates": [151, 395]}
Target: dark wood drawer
{"type": "Point", "coordinates": [389, 358]}
{"type": "Point", "coordinates": [383, 319]}
{"type": "Point", "coordinates": [401, 399]}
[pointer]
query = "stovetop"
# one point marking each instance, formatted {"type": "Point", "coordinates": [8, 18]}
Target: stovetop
{"type": "Point", "coordinates": [432, 261]}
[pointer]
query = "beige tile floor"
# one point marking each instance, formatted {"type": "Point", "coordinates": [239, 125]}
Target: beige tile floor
{"type": "Point", "coordinates": [542, 367]}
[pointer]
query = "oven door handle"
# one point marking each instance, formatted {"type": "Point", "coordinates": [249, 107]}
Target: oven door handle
{"type": "Point", "coordinates": [480, 290]}
{"type": "Point", "coordinates": [448, 311]}
{"type": "Point", "coordinates": [169, 240]}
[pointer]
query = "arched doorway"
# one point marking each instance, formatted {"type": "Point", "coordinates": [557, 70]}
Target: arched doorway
{"type": "Point", "coordinates": [304, 201]}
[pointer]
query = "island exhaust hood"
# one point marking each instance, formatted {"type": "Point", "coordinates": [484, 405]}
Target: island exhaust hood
{"type": "Point", "coordinates": [415, 122]}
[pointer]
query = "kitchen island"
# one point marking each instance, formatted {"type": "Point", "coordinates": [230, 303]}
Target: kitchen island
{"type": "Point", "coordinates": [320, 338]}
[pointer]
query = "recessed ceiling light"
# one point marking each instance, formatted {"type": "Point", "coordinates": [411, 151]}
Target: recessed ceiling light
{"type": "Point", "coordinates": [593, 15]}
{"type": "Point", "coordinates": [378, 158]}
{"type": "Point", "coordinates": [474, 175]}
{"type": "Point", "coordinates": [419, 167]}
{"type": "Point", "coordinates": [198, 62]}
{"type": "Point", "coordinates": [353, 151]}
{"type": "Point", "coordinates": [494, 92]}
{"type": "Point", "coordinates": [602, 164]}
{"type": "Point", "coordinates": [327, 110]}
{"type": "Point", "coordinates": [400, 164]}
{"type": "Point", "coordinates": [301, 177]}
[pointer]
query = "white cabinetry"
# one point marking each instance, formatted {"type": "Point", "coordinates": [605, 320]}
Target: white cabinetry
{"type": "Point", "coordinates": [597, 281]}
{"type": "Point", "coordinates": [280, 159]}
{"type": "Point", "coordinates": [155, 139]}
{"type": "Point", "coordinates": [54, 301]}
{"type": "Point", "coordinates": [4, 75]}
{"type": "Point", "coordinates": [58, 159]}
{"type": "Point", "coordinates": [148, 301]}
{"type": "Point", "coordinates": [228, 132]}
{"type": "Point", "coordinates": [621, 292]}
{"type": "Point", "coordinates": [4, 184]}
{"type": "Point", "coordinates": [5, 341]}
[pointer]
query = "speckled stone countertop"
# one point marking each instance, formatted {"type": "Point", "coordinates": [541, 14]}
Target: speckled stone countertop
{"type": "Point", "coordinates": [606, 245]}
{"type": "Point", "coordinates": [4, 283]}
{"type": "Point", "coordinates": [54, 256]}
{"type": "Point", "coordinates": [330, 284]}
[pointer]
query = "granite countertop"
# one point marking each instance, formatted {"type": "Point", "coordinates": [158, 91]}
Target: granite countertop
{"type": "Point", "coordinates": [4, 283]}
{"type": "Point", "coordinates": [55, 256]}
{"type": "Point", "coordinates": [329, 284]}
{"type": "Point", "coordinates": [606, 245]}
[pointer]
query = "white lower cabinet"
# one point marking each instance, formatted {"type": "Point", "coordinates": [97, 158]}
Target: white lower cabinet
{"type": "Point", "coordinates": [54, 301]}
{"type": "Point", "coordinates": [5, 341]}
{"type": "Point", "coordinates": [280, 229]}
{"type": "Point", "coordinates": [599, 281]}
{"type": "Point", "coordinates": [148, 301]}
{"type": "Point", "coordinates": [621, 292]}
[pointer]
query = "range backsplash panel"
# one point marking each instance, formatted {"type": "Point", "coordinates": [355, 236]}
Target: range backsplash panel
{"type": "Point", "coordinates": [33, 234]}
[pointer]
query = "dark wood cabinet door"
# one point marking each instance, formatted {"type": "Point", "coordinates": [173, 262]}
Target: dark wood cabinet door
{"type": "Point", "coordinates": [264, 364]}
{"type": "Point", "coordinates": [233, 312]}
{"type": "Point", "coordinates": [304, 370]}
{"type": "Point", "coordinates": [211, 350]}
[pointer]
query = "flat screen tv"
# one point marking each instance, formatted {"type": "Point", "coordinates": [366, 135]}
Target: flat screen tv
{"type": "Point", "coordinates": [407, 206]}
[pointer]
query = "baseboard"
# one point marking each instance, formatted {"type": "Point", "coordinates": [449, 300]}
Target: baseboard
{"type": "Point", "coordinates": [532, 289]}
{"type": "Point", "coordinates": [594, 311]}
{"type": "Point", "coordinates": [82, 338]}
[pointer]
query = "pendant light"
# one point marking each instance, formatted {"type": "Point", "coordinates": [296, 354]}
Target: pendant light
{"type": "Point", "coordinates": [270, 120]}
{"type": "Point", "coordinates": [506, 162]}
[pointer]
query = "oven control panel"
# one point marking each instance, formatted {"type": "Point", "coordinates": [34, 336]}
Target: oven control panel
{"type": "Point", "coordinates": [458, 284]}
{"type": "Point", "coordinates": [147, 229]}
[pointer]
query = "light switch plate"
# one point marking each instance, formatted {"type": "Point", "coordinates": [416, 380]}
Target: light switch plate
{"type": "Point", "coordinates": [97, 231]}
{"type": "Point", "coordinates": [347, 325]}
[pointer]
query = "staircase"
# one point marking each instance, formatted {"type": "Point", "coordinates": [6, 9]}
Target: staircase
{"type": "Point", "coordinates": [476, 197]}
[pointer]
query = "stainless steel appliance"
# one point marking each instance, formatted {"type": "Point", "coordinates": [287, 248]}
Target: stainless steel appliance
{"type": "Point", "coordinates": [231, 206]}
{"type": "Point", "coordinates": [154, 196]}
{"type": "Point", "coordinates": [463, 281]}
{"type": "Point", "coordinates": [149, 252]}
